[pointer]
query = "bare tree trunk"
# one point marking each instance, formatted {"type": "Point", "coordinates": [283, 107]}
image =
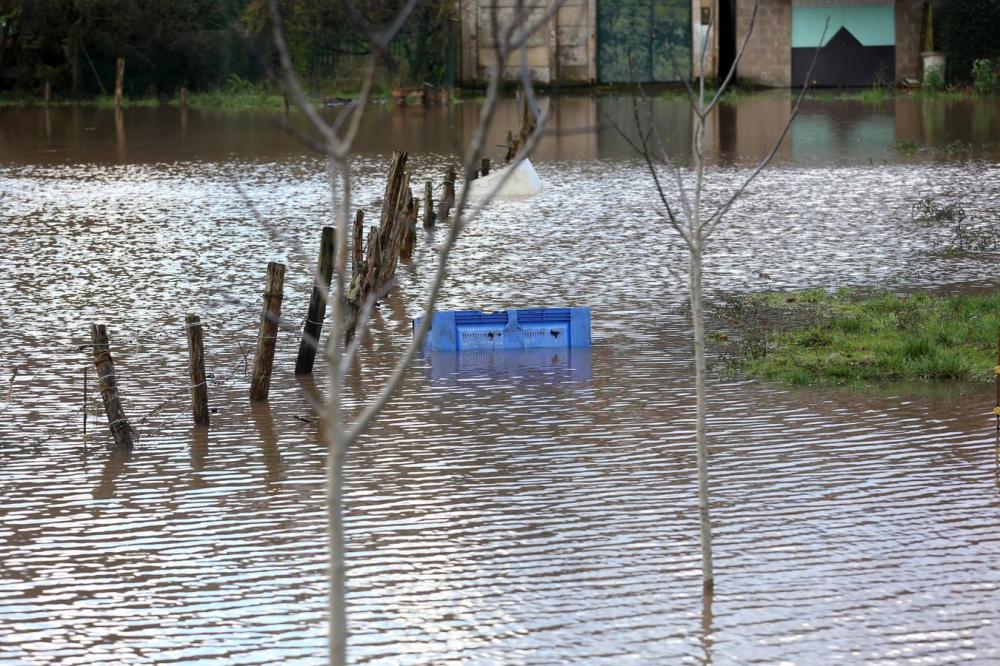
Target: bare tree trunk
{"type": "Point", "coordinates": [698, 323]}
{"type": "Point", "coordinates": [119, 81]}
{"type": "Point", "coordinates": [379, 267]}
{"type": "Point", "coordinates": [337, 631]}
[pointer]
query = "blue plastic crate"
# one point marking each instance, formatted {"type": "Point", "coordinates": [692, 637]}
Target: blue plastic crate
{"type": "Point", "coordinates": [538, 328]}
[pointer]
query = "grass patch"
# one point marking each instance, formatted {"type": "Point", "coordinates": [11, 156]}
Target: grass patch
{"type": "Point", "coordinates": [227, 100]}
{"type": "Point", "coordinates": [878, 94]}
{"type": "Point", "coordinates": [943, 94]}
{"type": "Point", "coordinates": [733, 94]}
{"type": "Point", "coordinates": [108, 102]}
{"type": "Point", "coordinates": [907, 147]}
{"type": "Point", "coordinates": [862, 338]}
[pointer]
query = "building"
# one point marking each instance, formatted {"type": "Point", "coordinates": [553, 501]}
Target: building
{"type": "Point", "coordinates": [617, 41]}
{"type": "Point", "coordinates": [586, 41]}
{"type": "Point", "coordinates": [866, 41]}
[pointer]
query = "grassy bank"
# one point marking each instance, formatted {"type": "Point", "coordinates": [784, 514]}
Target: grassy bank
{"type": "Point", "coordinates": [251, 98]}
{"type": "Point", "coordinates": [861, 338]}
{"type": "Point", "coordinates": [206, 100]}
{"type": "Point", "coordinates": [883, 94]}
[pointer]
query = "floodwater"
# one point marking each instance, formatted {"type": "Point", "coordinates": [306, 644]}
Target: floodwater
{"type": "Point", "coordinates": [531, 509]}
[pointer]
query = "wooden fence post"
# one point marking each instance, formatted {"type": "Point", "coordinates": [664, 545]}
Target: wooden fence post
{"type": "Point", "coordinates": [121, 431]}
{"type": "Point", "coordinates": [119, 81]}
{"type": "Point", "coordinates": [357, 238]}
{"type": "Point", "coordinates": [428, 206]}
{"type": "Point", "coordinates": [448, 198]}
{"type": "Point", "coordinates": [317, 306]}
{"type": "Point", "coordinates": [196, 369]}
{"type": "Point", "coordinates": [263, 360]}
{"type": "Point", "coordinates": [409, 234]}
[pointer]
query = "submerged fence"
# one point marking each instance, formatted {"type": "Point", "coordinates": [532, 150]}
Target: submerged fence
{"type": "Point", "coordinates": [374, 268]}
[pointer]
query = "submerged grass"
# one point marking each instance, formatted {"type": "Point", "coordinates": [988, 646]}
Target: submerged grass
{"type": "Point", "coordinates": [856, 338]}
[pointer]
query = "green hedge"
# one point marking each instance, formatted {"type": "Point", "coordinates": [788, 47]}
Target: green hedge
{"type": "Point", "coordinates": [966, 30]}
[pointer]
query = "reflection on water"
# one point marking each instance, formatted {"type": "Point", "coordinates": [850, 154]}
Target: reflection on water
{"type": "Point", "coordinates": [530, 508]}
{"type": "Point", "coordinates": [546, 366]}
{"type": "Point", "coordinates": [828, 131]}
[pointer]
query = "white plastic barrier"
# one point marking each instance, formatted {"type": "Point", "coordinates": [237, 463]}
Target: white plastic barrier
{"type": "Point", "coordinates": [521, 184]}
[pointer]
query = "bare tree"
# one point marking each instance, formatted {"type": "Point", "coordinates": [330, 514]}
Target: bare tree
{"type": "Point", "coordinates": [685, 210]}
{"type": "Point", "coordinates": [335, 139]}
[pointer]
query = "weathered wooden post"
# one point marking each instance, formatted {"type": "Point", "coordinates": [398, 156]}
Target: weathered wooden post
{"type": "Point", "coordinates": [392, 234]}
{"type": "Point", "coordinates": [84, 400]}
{"type": "Point", "coordinates": [448, 198]}
{"type": "Point", "coordinates": [317, 306]}
{"type": "Point", "coordinates": [184, 97]}
{"type": "Point", "coordinates": [409, 232]}
{"type": "Point", "coordinates": [48, 91]}
{"type": "Point", "coordinates": [357, 251]}
{"type": "Point", "coordinates": [196, 369]}
{"type": "Point", "coordinates": [119, 81]}
{"type": "Point", "coordinates": [263, 360]}
{"type": "Point", "coordinates": [394, 184]}
{"type": "Point", "coordinates": [373, 255]}
{"type": "Point", "coordinates": [428, 206]}
{"type": "Point", "coordinates": [485, 167]}
{"type": "Point", "coordinates": [121, 431]}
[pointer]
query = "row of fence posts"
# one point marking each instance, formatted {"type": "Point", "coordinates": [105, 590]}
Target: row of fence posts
{"type": "Point", "coordinates": [399, 215]}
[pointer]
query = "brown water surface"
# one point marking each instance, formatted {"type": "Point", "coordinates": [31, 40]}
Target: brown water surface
{"type": "Point", "coordinates": [529, 508]}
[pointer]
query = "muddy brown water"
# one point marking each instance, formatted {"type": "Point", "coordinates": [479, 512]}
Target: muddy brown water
{"type": "Point", "coordinates": [530, 508]}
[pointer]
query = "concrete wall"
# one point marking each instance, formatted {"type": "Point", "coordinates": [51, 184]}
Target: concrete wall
{"type": "Point", "coordinates": [698, 31]}
{"type": "Point", "coordinates": [909, 22]}
{"type": "Point", "coordinates": [767, 60]}
{"type": "Point", "coordinates": [563, 50]}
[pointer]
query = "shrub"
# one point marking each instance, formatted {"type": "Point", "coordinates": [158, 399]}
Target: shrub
{"type": "Point", "coordinates": [984, 77]}
{"type": "Point", "coordinates": [966, 30]}
{"type": "Point", "coordinates": [933, 81]}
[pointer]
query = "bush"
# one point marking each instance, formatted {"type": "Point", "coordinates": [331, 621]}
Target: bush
{"type": "Point", "coordinates": [984, 77]}
{"type": "Point", "coordinates": [970, 234]}
{"type": "Point", "coordinates": [966, 30]}
{"type": "Point", "coordinates": [933, 81]}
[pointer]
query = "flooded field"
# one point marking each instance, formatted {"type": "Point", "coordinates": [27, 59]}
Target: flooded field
{"type": "Point", "coordinates": [518, 510]}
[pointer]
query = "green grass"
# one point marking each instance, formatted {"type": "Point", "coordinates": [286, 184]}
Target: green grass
{"type": "Point", "coordinates": [907, 147]}
{"type": "Point", "coordinates": [237, 94]}
{"type": "Point", "coordinates": [734, 94]}
{"type": "Point", "coordinates": [233, 100]}
{"type": "Point", "coordinates": [864, 339]}
{"type": "Point", "coordinates": [873, 95]}
{"type": "Point", "coordinates": [945, 94]}
{"type": "Point", "coordinates": [108, 102]}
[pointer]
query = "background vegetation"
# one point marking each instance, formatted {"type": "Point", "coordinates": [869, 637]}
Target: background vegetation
{"type": "Point", "coordinates": [966, 30]}
{"type": "Point", "coordinates": [212, 45]}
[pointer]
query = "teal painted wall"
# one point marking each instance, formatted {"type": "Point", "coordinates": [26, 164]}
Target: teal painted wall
{"type": "Point", "coordinates": [873, 25]}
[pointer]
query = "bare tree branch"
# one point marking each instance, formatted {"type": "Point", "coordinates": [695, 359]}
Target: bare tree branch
{"type": "Point", "coordinates": [713, 220]}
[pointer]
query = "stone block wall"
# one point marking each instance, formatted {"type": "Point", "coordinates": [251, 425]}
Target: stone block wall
{"type": "Point", "coordinates": [574, 42]}
{"type": "Point", "coordinates": [909, 23]}
{"type": "Point", "coordinates": [767, 60]}
{"type": "Point", "coordinates": [561, 51]}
